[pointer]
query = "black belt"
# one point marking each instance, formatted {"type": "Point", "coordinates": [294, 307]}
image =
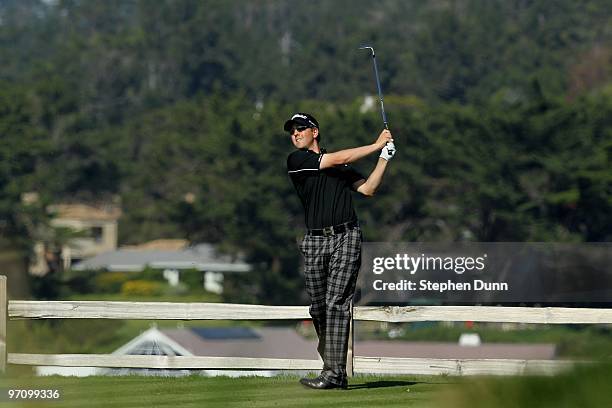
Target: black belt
{"type": "Point", "coordinates": [336, 229]}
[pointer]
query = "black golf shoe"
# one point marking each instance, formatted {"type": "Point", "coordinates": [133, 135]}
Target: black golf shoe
{"type": "Point", "coordinates": [320, 383]}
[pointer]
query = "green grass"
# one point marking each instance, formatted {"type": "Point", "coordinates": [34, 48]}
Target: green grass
{"type": "Point", "coordinates": [587, 386]}
{"type": "Point", "coordinates": [252, 392]}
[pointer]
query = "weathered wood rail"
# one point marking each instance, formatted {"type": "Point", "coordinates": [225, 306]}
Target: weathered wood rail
{"type": "Point", "coordinates": [230, 311]}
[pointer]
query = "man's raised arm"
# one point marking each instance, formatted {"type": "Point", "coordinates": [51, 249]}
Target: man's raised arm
{"type": "Point", "coordinates": [368, 187]}
{"type": "Point", "coordinates": [352, 155]}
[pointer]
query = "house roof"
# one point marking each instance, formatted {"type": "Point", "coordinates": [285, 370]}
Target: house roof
{"type": "Point", "coordinates": [102, 212]}
{"type": "Point", "coordinates": [152, 342]}
{"type": "Point", "coordinates": [269, 342]}
{"type": "Point", "coordinates": [202, 257]}
{"type": "Point", "coordinates": [160, 245]}
{"type": "Point", "coordinates": [285, 342]}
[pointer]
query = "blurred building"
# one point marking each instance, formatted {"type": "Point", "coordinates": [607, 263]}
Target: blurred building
{"type": "Point", "coordinates": [91, 229]}
{"type": "Point", "coordinates": [174, 258]}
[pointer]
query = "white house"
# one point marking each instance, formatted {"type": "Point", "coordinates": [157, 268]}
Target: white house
{"type": "Point", "coordinates": [202, 257]}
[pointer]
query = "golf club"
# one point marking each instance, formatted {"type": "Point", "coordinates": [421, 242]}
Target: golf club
{"type": "Point", "coordinates": [380, 95]}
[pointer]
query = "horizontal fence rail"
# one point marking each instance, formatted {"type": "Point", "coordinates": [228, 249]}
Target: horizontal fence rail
{"type": "Point", "coordinates": [162, 362]}
{"type": "Point", "coordinates": [151, 311]}
{"type": "Point", "coordinates": [229, 311]}
{"type": "Point", "coordinates": [436, 366]}
{"type": "Point", "coordinates": [423, 366]}
{"type": "Point", "coordinates": [500, 314]}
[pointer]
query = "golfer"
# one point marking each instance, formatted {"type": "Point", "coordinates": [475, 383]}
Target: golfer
{"type": "Point", "coordinates": [332, 244]}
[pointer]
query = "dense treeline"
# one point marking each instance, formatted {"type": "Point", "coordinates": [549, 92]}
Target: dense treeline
{"type": "Point", "coordinates": [114, 57]}
{"type": "Point", "coordinates": [502, 112]}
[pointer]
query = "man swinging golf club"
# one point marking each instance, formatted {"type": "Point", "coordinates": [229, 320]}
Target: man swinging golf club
{"type": "Point", "coordinates": [332, 244]}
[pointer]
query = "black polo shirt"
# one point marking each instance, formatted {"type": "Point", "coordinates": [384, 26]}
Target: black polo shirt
{"type": "Point", "coordinates": [325, 194]}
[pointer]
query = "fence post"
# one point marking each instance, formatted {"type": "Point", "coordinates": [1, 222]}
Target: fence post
{"type": "Point", "coordinates": [350, 358]}
{"type": "Point", "coordinates": [3, 317]}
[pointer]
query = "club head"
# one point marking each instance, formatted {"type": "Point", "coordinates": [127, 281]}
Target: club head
{"type": "Point", "coordinates": [367, 47]}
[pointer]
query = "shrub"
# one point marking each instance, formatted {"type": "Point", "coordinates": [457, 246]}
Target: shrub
{"type": "Point", "coordinates": [150, 274]}
{"type": "Point", "coordinates": [192, 278]}
{"type": "Point", "coordinates": [110, 282]}
{"type": "Point", "coordinates": [141, 288]}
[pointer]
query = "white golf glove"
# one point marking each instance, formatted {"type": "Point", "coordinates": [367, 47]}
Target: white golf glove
{"type": "Point", "coordinates": [388, 151]}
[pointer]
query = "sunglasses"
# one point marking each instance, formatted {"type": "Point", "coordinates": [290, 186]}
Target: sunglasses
{"type": "Point", "coordinates": [298, 128]}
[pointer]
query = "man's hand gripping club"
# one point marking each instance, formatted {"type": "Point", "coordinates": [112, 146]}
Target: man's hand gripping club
{"type": "Point", "coordinates": [369, 186]}
{"type": "Point", "coordinates": [388, 150]}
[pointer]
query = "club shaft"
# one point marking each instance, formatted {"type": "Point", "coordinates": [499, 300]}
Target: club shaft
{"type": "Point", "coordinates": [380, 94]}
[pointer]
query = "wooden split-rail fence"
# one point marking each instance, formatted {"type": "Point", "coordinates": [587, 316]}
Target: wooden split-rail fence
{"type": "Point", "coordinates": [26, 309]}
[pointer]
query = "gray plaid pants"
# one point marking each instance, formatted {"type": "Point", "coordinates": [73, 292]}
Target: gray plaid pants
{"type": "Point", "coordinates": [331, 267]}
